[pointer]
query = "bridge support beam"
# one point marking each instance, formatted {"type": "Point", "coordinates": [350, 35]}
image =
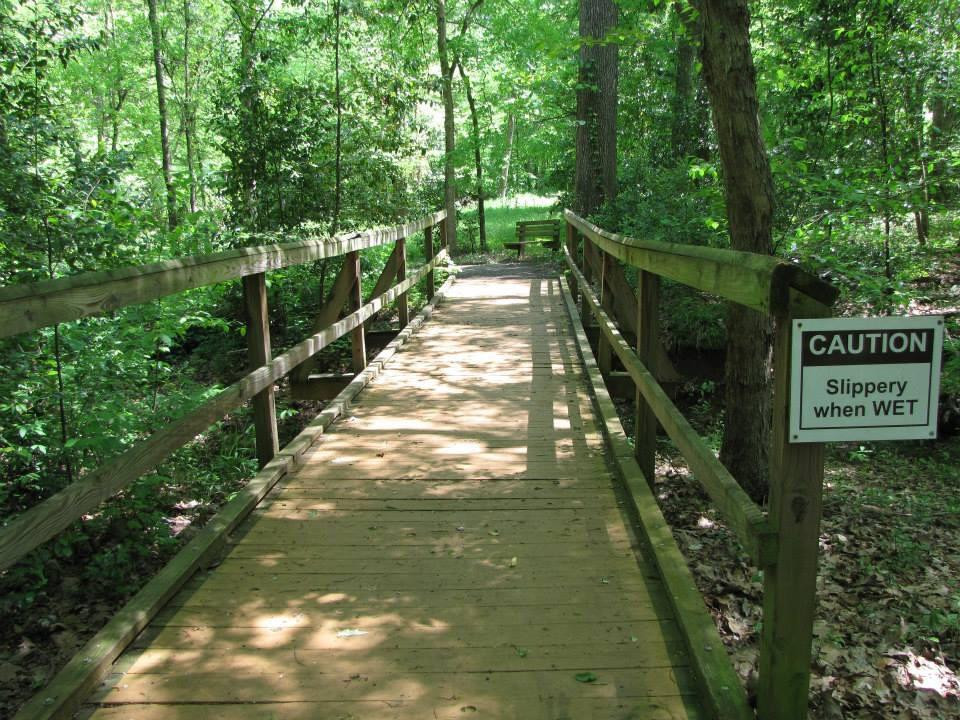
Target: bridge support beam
{"type": "Point", "coordinates": [259, 354]}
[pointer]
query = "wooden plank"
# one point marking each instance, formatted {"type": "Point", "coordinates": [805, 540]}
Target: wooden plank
{"type": "Point", "coordinates": [569, 550]}
{"type": "Point", "coordinates": [321, 502]}
{"type": "Point", "coordinates": [604, 351]}
{"type": "Point", "coordinates": [298, 684]}
{"type": "Point", "coordinates": [327, 315]}
{"type": "Point", "coordinates": [428, 253]}
{"type": "Point", "coordinates": [425, 705]}
{"type": "Point", "coordinates": [403, 306]}
{"type": "Point", "coordinates": [320, 387]}
{"type": "Point", "coordinates": [790, 584]}
{"type": "Point", "coordinates": [760, 282]}
{"type": "Point", "coordinates": [719, 685]}
{"type": "Point", "coordinates": [358, 339]}
{"type": "Point", "coordinates": [64, 694]}
{"type": "Point", "coordinates": [276, 616]}
{"type": "Point", "coordinates": [504, 657]}
{"type": "Point", "coordinates": [388, 275]}
{"type": "Point", "coordinates": [398, 630]}
{"type": "Point", "coordinates": [746, 520]}
{"type": "Point", "coordinates": [459, 488]}
{"type": "Point", "coordinates": [371, 600]}
{"type": "Point", "coordinates": [46, 519]}
{"type": "Point", "coordinates": [648, 340]}
{"type": "Point", "coordinates": [572, 241]}
{"type": "Point", "coordinates": [259, 354]}
{"type": "Point", "coordinates": [33, 305]}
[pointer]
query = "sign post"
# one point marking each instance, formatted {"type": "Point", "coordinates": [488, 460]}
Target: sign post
{"type": "Point", "coordinates": [865, 378]}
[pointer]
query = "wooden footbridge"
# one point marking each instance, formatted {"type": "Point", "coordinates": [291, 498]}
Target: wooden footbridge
{"type": "Point", "coordinates": [465, 530]}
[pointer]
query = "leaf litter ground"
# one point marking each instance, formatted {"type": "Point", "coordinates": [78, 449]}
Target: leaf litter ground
{"type": "Point", "coordinates": [887, 634]}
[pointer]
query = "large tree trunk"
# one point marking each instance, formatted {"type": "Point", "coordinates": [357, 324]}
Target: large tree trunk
{"type": "Point", "coordinates": [731, 82]}
{"type": "Point", "coordinates": [595, 178]}
{"type": "Point", "coordinates": [477, 159]}
{"type": "Point", "coordinates": [449, 137]}
{"type": "Point", "coordinates": [162, 108]}
{"type": "Point", "coordinates": [508, 155]}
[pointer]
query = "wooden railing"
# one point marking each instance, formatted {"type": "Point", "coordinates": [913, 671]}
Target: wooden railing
{"type": "Point", "coordinates": [35, 305]}
{"type": "Point", "coordinates": [783, 542]}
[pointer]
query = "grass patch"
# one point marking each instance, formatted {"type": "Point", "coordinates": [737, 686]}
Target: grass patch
{"type": "Point", "coordinates": [501, 218]}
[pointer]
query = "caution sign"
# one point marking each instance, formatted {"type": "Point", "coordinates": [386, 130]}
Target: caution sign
{"type": "Point", "coordinates": [865, 378]}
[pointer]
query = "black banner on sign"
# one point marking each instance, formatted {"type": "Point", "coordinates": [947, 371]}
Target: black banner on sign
{"type": "Point", "coordinates": [867, 347]}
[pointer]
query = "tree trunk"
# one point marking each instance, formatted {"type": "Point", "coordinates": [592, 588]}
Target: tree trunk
{"type": "Point", "coordinates": [477, 159]}
{"type": "Point", "coordinates": [187, 110]}
{"type": "Point", "coordinates": [449, 137]}
{"type": "Point", "coordinates": [162, 108]}
{"type": "Point", "coordinates": [595, 179]}
{"type": "Point", "coordinates": [684, 127]}
{"type": "Point", "coordinates": [507, 156]}
{"type": "Point", "coordinates": [338, 149]}
{"type": "Point", "coordinates": [942, 124]}
{"type": "Point", "coordinates": [731, 82]}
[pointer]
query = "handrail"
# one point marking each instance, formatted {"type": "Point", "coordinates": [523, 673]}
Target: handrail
{"type": "Point", "coordinates": [44, 520]}
{"type": "Point", "coordinates": [745, 517]}
{"type": "Point", "coordinates": [760, 282]}
{"type": "Point", "coordinates": [41, 522]}
{"type": "Point", "coordinates": [784, 542]}
{"type": "Point", "coordinates": [28, 306]}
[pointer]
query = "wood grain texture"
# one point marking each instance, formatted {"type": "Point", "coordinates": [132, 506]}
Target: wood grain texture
{"type": "Point", "coordinates": [498, 570]}
{"type": "Point", "coordinates": [761, 282]}
{"type": "Point", "coordinates": [34, 305]}
{"type": "Point", "coordinates": [358, 338]}
{"type": "Point", "coordinates": [258, 355]}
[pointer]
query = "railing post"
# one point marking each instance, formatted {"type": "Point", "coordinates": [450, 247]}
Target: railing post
{"type": "Point", "coordinates": [403, 306]}
{"type": "Point", "coordinates": [604, 351]}
{"type": "Point", "coordinates": [789, 586]}
{"type": "Point", "coordinates": [428, 253]}
{"type": "Point", "coordinates": [258, 353]}
{"type": "Point", "coordinates": [648, 339]}
{"type": "Point", "coordinates": [585, 268]}
{"type": "Point", "coordinates": [358, 338]}
{"type": "Point", "coordinates": [443, 232]}
{"type": "Point", "coordinates": [572, 249]}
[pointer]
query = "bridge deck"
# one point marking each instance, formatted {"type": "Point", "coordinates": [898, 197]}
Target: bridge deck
{"type": "Point", "coordinates": [453, 549]}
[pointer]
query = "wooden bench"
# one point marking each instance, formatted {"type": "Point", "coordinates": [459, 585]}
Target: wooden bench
{"type": "Point", "coordinates": [540, 232]}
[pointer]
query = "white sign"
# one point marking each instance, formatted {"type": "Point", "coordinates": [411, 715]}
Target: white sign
{"type": "Point", "coordinates": [865, 378]}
